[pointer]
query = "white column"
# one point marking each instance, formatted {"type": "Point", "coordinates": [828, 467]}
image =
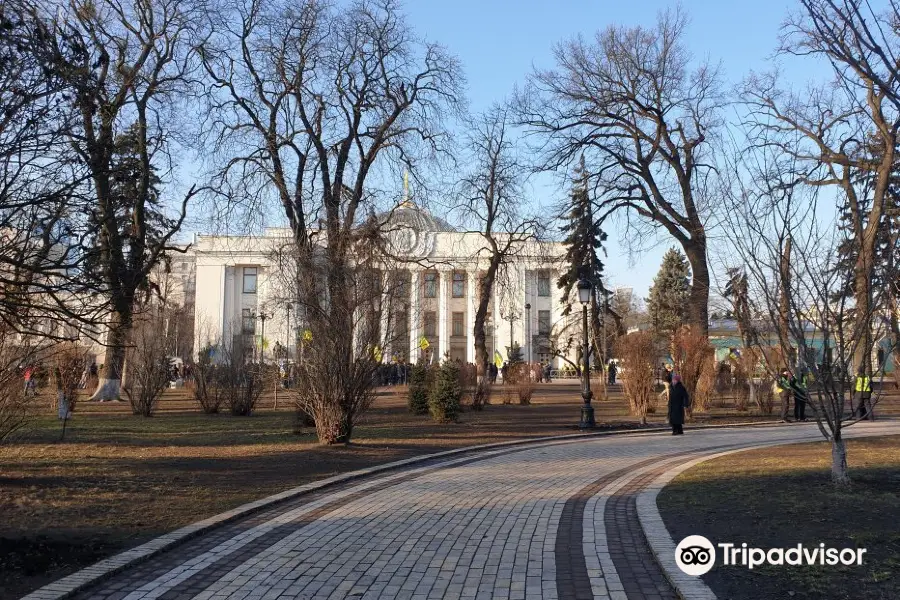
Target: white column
{"type": "Point", "coordinates": [471, 285]}
{"type": "Point", "coordinates": [386, 305]}
{"type": "Point", "coordinates": [415, 292]}
{"type": "Point", "coordinates": [556, 310]}
{"type": "Point", "coordinates": [499, 323]}
{"type": "Point", "coordinates": [527, 315]}
{"type": "Point", "coordinates": [443, 314]}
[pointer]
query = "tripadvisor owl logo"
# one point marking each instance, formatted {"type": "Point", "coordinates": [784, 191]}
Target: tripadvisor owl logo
{"type": "Point", "coordinates": [695, 555]}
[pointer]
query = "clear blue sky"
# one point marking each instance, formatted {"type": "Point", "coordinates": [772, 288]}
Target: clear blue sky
{"type": "Point", "coordinates": [498, 41]}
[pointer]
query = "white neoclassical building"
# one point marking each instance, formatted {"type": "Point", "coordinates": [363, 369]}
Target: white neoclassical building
{"type": "Point", "coordinates": [236, 292]}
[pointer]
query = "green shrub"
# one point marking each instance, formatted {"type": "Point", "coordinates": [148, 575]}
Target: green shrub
{"type": "Point", "coordinates": [446, 393]}
{"type": "Point", "coordinates": [418, 389]}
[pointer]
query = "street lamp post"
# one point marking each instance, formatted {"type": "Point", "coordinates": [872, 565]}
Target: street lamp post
{"type": "Point", "coordinates": [511, 317]}
{"type": "Point", "coordinates": [262, 340]}
{"type": "Point", "coordinates": [528, 329]}
{"type": "Point", "coordinates": [587, 411]}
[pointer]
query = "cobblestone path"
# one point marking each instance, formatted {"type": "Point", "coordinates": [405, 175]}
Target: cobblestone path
{"type": "Point", "coordinates": [551, 520]}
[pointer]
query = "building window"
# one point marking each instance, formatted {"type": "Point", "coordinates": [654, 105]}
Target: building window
{"type": "Point", "coordinates": [543, 322]}
{"type": "Point", "coordinates": [431, 285]}
{"type": "Point", "coordinates": [458, 327]}
{"type": "Point", "coordinates": [543, 281]}
{"type": "Point", "coordinates": [459, 285]}
{"type": "Point", "coordinates": [248, 322]}
{"type": "Point", "coordinates": [430, 324]}
{"type": "Point", "coordinates": [249, 280]}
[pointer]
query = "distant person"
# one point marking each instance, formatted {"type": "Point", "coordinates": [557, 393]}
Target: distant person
{"type": "Point", "coordinates": [547, 372]}
{"type": "Point", "coordinates": [782, 387]}
{"type": "Point", "coordinates": [28, 376]}
{"type": "Point", "coordinates": [613, 370]}
{"type": "Point", "coordinates": [863, 389]}
{"type": "Point", "coordinates": [800, 389]}
{"type": "Point", "coordinates": [678, 402]}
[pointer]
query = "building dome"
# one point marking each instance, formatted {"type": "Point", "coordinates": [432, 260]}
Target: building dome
{"type": "Point", "coordinates": [408, 215]}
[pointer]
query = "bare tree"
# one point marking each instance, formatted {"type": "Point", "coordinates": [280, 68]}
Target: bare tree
{"type": "Point", "coordinates": [309, 104]}
{"type": "Point", "coordinates": [41, 292]}
{"type": "Point", "coordinates": [125, 89]}
{"type": "Point", "coordinates": [638, 352]}
{"type": "Point", "coordinates": [493, 202]}
{"type": "Point", "coordinates": [842, 134]}
{"type": "Point", "coordinates": [645, 121]}
{"type": "Point", "coordinates": [147, 361]}
{"type": "Point", "coordinates": [798, 294]}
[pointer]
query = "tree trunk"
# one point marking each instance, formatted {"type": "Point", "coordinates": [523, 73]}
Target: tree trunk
{"type": "Point", "coordinates": [839, 475]}
{"type": "Point", "coordinates": [862, 354]}
{"type": "Point", "coordinates": [784, 304]}
{"type": "Point", "coordinates": [698, 300]}
{"type": "Point", "coordinates": [110, 384]}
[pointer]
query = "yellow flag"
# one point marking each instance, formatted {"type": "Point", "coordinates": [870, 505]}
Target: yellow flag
{"type": "Point", "coordinates": [377, 354]}
{"type": "Point", "coordinates": [307, 335]}
{"type": "Point", "coordinates": [423, 343]}
{"type": "Point", "coordinates": [498, 360]}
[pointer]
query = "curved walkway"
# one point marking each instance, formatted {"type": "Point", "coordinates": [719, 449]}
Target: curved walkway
{"type": "Point", "coordinates": [555, 519]}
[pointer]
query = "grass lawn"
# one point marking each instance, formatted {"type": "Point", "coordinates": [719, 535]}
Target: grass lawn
{"type": "Point", "coordinates": [779, 497]}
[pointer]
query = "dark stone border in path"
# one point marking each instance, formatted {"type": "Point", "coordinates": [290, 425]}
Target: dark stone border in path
{"type": "Point", "coordinates": [636, 566]}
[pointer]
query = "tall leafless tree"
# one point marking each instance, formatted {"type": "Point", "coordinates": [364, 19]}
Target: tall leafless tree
{"type": "Point", "coordinates": [789, 253]}
{"type": "Point", "coordinates": [493, 203]}
{"type": "Point", "coordinates": [631, 103]}
{"type": "Point", "coordinates": [842, 134]}
{"type": "Point", "coordinates": [310, 103]}
{"type": "Point", "coordinates": [40, 226]}
{"type": "Point", "coordinates": [125, 88]}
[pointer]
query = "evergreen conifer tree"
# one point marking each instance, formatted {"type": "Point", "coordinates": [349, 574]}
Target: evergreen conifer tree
{"type": "Point", "coordinates": [446, 393]}
{"type": "Point", "coordinates": [667, 303]}
{"type": "Point", "coordinates": [584, 239]}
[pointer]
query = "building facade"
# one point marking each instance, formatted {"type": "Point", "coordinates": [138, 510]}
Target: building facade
{"type": "Point", "coordinates": [435, 272]}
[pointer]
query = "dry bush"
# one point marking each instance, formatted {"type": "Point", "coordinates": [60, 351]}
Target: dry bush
{"type": "Point", "coordinates": [693, 354]}
{"type": "Point", "coordinates": [706, 386]}
{"type": "Point", "coordinates": [242, 387]}
{"type": "Point", "coordinates": [765, 399]}
{"type": "Point", "coordinates": [637, 353]}
{"type": "Point", "coordinates": [68, 370]}
{"type": "Point", "coordinates": [147, 367]}
{"type": "Point", "coordinates": [522, 383]}
{"type": "Point", "coordinates": [481, 394]}
{"type": "Point", "coordinates": [334, 395]}
{"type": "Point", "coordinates": [740, 388]}
{"type": "Point", "coordinates": [206, 392]}
{"type": "Point", "coordinates": [15, 410]}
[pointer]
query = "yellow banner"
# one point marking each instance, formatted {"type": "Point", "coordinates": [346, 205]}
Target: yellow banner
{"type": "Point", "coordinates": [423, 344]}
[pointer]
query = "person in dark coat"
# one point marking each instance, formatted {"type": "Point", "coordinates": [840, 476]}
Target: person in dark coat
{"type": "Point", "coordinates": [678, 401]}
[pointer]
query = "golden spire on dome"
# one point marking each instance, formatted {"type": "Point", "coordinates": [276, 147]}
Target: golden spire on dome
{"type": "Point", "coordinates": [406, 203]}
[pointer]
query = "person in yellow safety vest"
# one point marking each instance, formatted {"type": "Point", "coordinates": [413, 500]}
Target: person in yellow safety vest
{"type": "Point", "coordinates": [863, 390]}
{"type": "Point", "coordinates": [783, 389]}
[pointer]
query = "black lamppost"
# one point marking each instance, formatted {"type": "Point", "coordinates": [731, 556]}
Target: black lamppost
{"type": "Point", "coordinates": [511, 317]}
{"type": "Point", "coordinates": [587, 411]}
{"type": "Point", "coordinates": [528, 329]}
{"type": "Point", "coordinates": [262, 340]}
